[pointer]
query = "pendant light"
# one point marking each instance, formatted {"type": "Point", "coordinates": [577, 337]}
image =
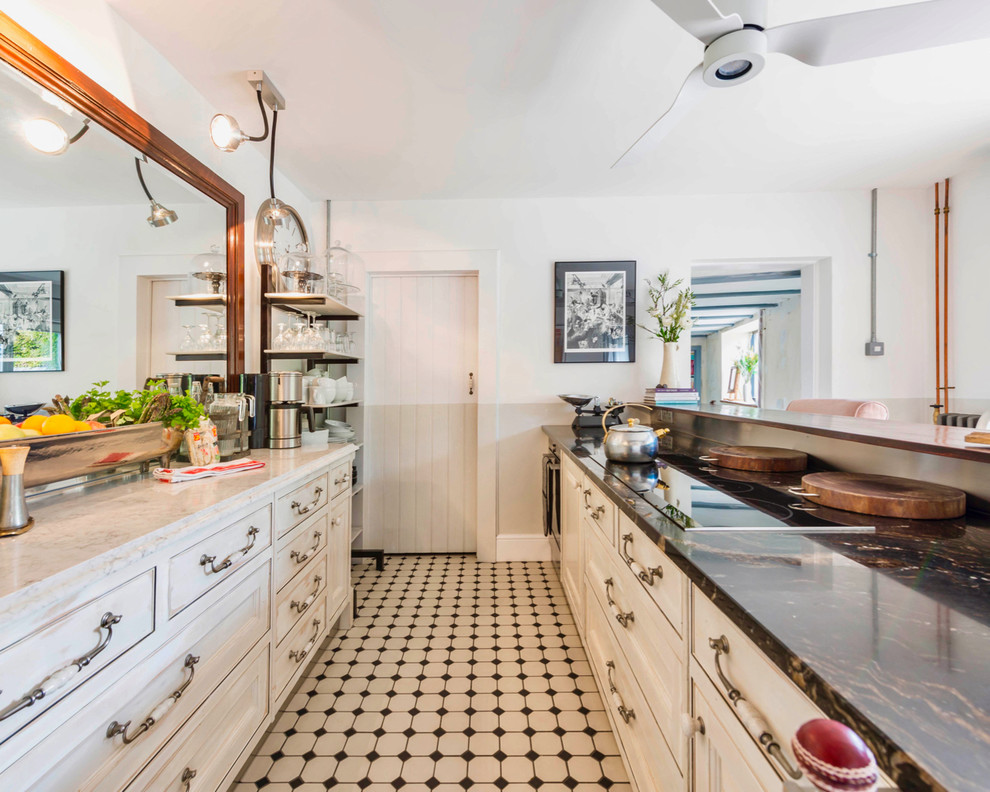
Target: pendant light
{"type": "Point", "coordinates": [160, 216]}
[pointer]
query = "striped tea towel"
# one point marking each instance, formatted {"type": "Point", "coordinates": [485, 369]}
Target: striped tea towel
{"type": "Point", "coordinates": [177, 475]}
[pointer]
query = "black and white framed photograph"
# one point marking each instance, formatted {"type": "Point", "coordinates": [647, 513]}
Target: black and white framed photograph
{"type": "Point", "coordinates": [594, 312]}
{"type": "Point", "coordinates": [31, 321]}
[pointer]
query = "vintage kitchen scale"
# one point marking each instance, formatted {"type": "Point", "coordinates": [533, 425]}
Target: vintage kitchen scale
{"type": "Point", "coordinates": [591, 418]}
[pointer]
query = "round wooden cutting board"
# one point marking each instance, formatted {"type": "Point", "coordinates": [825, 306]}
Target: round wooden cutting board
{"type": "Point", "coordinates": [763, 458]}
{"type": "Point", "coordinates": [885, 496]}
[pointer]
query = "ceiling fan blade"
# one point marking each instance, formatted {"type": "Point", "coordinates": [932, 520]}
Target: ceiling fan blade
{"type": "Point", "coordinates": [700, 18]}
{"type": "Point", "coordinates": [687, 97]}
{"type": "Point", "coordinates": [885, 31]}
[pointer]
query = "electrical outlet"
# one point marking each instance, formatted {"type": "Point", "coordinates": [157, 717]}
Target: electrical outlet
{"type": "Point", "coordinates": [874, 348]}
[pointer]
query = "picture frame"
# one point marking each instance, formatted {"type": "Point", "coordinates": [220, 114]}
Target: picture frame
{"type": "Point", "coordinates": [32, 321]}
{"type": "Point", "coordinates": [594, 312]}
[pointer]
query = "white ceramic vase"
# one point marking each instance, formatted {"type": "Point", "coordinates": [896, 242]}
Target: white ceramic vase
{"type": "Point", "coordinates": [668, 372]}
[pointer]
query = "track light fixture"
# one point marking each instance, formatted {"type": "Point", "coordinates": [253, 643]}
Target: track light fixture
{"type": "Point", "coordinates": [49, 137]}
{"type": "Point", "coordinates": [160, 216]}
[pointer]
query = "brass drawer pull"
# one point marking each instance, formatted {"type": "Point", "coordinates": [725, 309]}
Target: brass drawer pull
{"type": "Point", "coordinates": [300, 509]}
{"type": "Point", "coordinates": [60, 678]}
{"type": "Point", "coordinates": [159, 712]}
{"type": "Point", "coordinates": [304, 605]}
{"type": "Point", "coordinates": [625, 712]}
{"type": "Point", "coordinates": [748, 714]}
{"type": "Point", "coordinates": [186, 780]}
{"type": "Point", "coordinates": [648, 576]}
{"type": "Point", "coordinates": [301, 558]}
{"type": "Point", "coordinates": [620, 617]}
{"type": "Point", "coordinates": [229, 560]}
{"type": "Point", "coordinates": [300, 654]}
{"type": "Point", "coordinates": [595, 511]}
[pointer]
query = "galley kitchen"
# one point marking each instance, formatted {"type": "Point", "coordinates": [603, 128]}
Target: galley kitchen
{"type": "Point", "coordinates": [520, 396]}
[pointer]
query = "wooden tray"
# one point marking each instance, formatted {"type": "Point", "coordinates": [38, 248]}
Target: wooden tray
{"type": "Point", "coordinates": [885, 496]}
{"type": "Point", "coordinates": [776, 460]}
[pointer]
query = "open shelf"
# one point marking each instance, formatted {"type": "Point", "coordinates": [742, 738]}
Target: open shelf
{"type": "Point", "coordinates": [313, 356]}
{"type": "Point", "coordinates": [316, 304]}
{"type": "Point", "coordinates": [215, 301]}
{"type": "Point", "coordinates": [356, 489]}
{"type": "Point", "coordinates": [334, 406]}
{"type": "Point", "coordinates": [191, 357]}
{"type": "Point", "coordinates": [356, 532]}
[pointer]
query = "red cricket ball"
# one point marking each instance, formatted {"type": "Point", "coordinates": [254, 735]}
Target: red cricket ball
{"type": "Point", "coordinates": [834, 757]}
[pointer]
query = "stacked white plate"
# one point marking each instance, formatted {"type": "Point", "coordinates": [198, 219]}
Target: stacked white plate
{"type": "Point", "coordinates": [340, 431]}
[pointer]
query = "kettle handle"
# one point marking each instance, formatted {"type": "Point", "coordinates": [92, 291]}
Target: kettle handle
{"type": "Point", "coordinates": [659, 432]}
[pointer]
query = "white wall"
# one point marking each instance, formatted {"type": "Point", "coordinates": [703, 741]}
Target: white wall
{"type": "Point", "coordinates": [661, 233]}
{"type": "Point", "coordinates": [95, 40]}
{"type": "Point", "coordinates": [96, 247]}
{"type": "Point", "coordinates": [780, 363]}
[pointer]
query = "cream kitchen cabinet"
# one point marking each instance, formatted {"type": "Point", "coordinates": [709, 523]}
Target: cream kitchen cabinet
{"type": "Point", "coordinates": [572, 537]}
{"type": "Point", "coordinates": [120, 672]}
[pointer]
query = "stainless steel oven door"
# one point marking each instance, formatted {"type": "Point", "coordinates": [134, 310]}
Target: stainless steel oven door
{"type": "Point", "coordinates": [551, 505]}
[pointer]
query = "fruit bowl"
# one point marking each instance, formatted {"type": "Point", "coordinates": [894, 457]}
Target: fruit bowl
{"type": "Point", "coordinates": [64, 456]}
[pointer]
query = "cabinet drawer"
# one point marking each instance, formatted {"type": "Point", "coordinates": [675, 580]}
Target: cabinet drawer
{"type": "Point", "coordinates": [339, 554]}
{"type": "Point", "coordinates": [45, 666]}
{"type": "Point", "coordinates": [298, 547]}
{"type": "Point", "coordinates": [643, 748]}
{"type": "Point", "coordinates": [784, 707]}
{"type": "Point", "coordinates": [217, 558]}
{"type": "Point", "coordinates": [340, 478]}
{"type": "Point", "coordinates": [599, 511]}
{"type": "Point", "coordinates": [302, 502]}
{"type": "Point", "coordinates": [724, 757]}
{"type": "Point", "coordinates": [88, 752]}
{"type": "Point", "coordinates": [654, 651]}
{"type": "Point", "coordinates": [300, 596]}
{"type": "Point", "coordinates": [213, 739]}
{"type": "Point", "coordinates": [300, 645]}
{"type": "Point", "coordinates": [666, 585]}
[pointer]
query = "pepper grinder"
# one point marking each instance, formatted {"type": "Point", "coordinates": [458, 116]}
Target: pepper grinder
{"type": "Point", "coordinates": [14, 517]}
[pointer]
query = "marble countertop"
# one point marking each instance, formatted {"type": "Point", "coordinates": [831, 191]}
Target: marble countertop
{"type": "Point", "coordinates": [102, 527]}
{"type": "Point", "coordinates": [919, 437]}
{"type": "Point", "coordinates": [858, 621]}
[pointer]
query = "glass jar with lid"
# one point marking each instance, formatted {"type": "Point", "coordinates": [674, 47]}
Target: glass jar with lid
{"type": "Point", "coordinates": [302, 272]}
{"type": "Point", "coordinates": [209, 272]}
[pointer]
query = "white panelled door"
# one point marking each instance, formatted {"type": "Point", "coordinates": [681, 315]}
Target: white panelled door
{"type": "Point", "coordinates": [421, 413]}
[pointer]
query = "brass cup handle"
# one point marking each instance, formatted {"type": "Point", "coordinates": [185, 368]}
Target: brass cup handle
{"type": "Point", "coordinates": [303, 606]}
{"type": "Point", "coordinates": [300, 509]}
{"type": "Point", "coordinates": [300, 654]}
{"type": "Point", "coordinates": [751, 718]}
{"type": "Point", "coordinates": [160, 710]}
{"type": "Point", "coordinates": [299, 557]}
{"type": "Point", "coordinates": [229, 560]}
{"type": "Point", "coordinates": [60, 678]}
{"type": "Point", "coordinates": [625, 712]}
{"type": "Point", "coordinates": [620, 617]}
{"type": "Point", "coordinates": [650, 575]}
{"type": "Point", "coordinates": [186, 779]}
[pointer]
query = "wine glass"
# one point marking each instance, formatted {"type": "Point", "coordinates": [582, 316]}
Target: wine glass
{"type": "Point", "coordinates": [280, 344]}
{"type": "Point", "coordinates": [188, 342]}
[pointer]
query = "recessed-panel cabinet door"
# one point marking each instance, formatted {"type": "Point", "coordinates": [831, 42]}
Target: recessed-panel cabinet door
{"type": "Point", "coordinates": [571, 538]}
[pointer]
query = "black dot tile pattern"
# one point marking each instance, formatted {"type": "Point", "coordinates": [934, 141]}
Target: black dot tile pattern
{"type": "Point", "coordinates": [456, 675]}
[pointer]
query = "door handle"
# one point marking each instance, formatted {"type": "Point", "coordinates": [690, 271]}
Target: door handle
{"type": "Point", "coordinates": [471, 383]}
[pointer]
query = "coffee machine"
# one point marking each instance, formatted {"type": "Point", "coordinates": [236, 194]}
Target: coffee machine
{"type": "Point", "coordinates": [284, 400]}
{"type": "Point", "coordinates": [256, 385]}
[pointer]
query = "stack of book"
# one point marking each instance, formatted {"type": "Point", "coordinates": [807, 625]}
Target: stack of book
{"type": "Point", "coordinates": [684, 397]}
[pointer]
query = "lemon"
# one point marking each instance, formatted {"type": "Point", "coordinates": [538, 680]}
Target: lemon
{"type": "Point", "coordinates": [55, 424]}
{"type": "Point", "coordinates": [30, 432]}
{"type": "Point", "coordinates": [81, 426]}
{"type": "Point", "coordinates": [4, 421]}
{"type": "Point", "coordinates": [8, 432]}
{"type": "Point", "coordinates": [34, 422]}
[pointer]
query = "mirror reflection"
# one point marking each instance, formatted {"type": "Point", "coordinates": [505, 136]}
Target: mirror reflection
{"type": "Point", "coordinates": [114, 268]}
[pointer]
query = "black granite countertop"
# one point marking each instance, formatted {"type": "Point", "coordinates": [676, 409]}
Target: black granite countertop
{"type": "Point", "coordinates": [887, 631]}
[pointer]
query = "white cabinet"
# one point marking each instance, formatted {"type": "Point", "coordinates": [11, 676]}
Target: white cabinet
{"type": "Point", "coordinates": [572, 537]}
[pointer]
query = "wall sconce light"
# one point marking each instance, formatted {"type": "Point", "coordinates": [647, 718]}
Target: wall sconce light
{"type": "Point", "coordinates": [160, 216]}
{"type": "Point", "coordinates": [49, 137]}
{"type": "Point", "coordinates": [227, 135]}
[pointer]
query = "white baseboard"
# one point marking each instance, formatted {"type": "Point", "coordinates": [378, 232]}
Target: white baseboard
{"type": "Point", "coordinates": [522, 547]}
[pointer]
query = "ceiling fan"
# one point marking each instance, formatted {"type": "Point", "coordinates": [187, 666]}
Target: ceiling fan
{"type": "Point", "coordinates": [737, 43]}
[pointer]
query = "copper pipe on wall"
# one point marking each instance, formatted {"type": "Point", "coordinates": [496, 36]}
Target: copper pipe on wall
{"type": "Point", "coordinates": [937, 406]}
{"type": "Point", "coordinates": [945, 298]}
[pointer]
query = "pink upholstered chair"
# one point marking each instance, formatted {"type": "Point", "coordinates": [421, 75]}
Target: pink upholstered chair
{"type": "Point", "coordinates": [856, 409]}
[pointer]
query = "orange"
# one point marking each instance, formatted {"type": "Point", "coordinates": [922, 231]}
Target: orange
{"type": "Point", "coordinates": [57, 424]}
{"type": "Point", "coordinates": [82, 426]}
{"type": "Point", "coordinates": [4, 420]}
{"type": "Point", "coordinates": [34, 422]}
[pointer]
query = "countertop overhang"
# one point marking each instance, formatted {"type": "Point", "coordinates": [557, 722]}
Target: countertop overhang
{"type": "Point", "coordinates": [907, 671]}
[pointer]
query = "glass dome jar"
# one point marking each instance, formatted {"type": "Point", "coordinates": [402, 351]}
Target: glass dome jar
{"type": "Point", "coordinates": [211, 269]}
{"type": "Point", "coordinates": [302, 272]}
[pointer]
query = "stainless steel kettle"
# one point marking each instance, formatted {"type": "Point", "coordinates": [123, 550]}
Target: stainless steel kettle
{"type": "Point", "coordinates": [631, 442]}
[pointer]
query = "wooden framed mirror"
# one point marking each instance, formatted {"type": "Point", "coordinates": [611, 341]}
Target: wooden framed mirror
{"type": "Point", "coordinates": [128, 149]}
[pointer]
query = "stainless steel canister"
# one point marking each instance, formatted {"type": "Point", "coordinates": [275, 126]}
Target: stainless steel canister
{"type": "Point", "coordinates": [285, 386]}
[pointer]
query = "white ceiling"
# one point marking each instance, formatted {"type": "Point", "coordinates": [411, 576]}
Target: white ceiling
{"type": "Point", "coordinates": [512, 98]}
